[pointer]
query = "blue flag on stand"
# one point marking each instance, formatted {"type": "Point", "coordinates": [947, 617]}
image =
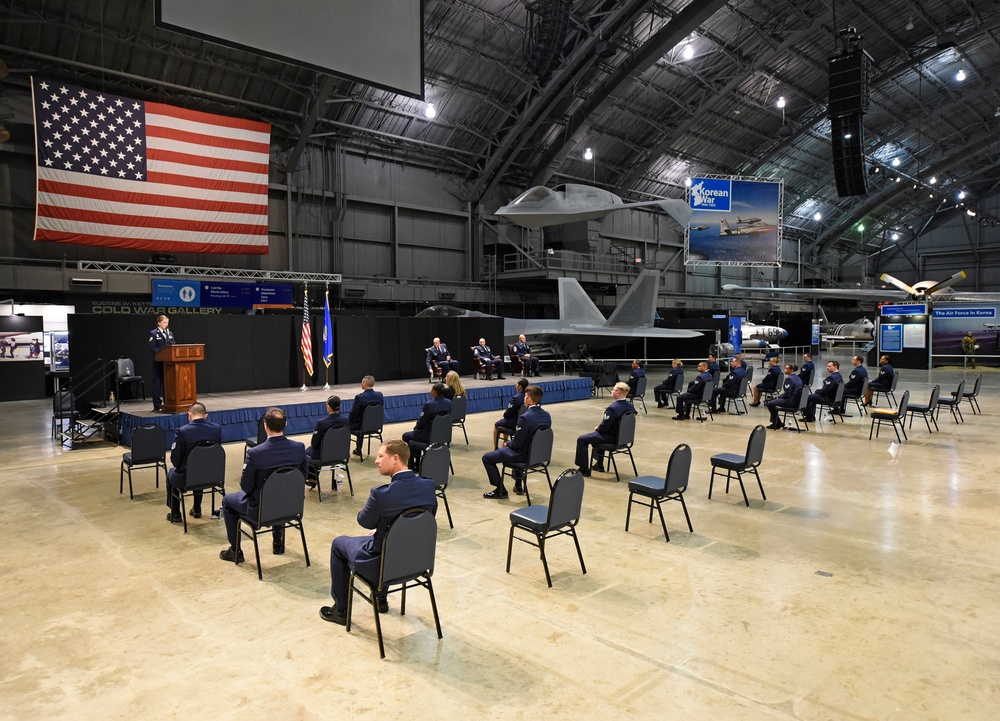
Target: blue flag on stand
{"type": "Point", "coordinates": [327, 333]}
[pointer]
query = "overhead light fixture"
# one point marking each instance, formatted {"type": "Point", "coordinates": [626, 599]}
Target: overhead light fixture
{"type": "Point", "coordinates": [961, 195]}
{"type": "Point", "coordinates": [895, 236]}
{"type": "Point", "coordinates": [847, 136]}
{"type": "Point", "coordinates": [430, 111]}
{"type": "Point", "coordinates": [781, 101]}
{"type": "Point", "coordinates": [588, 154]}
{"type": "Point", "coordinates": [687, 181]}
{"type": "Point", "coordinates": [895, 162]}
{"type": "Point", "coordinates": [817, 216]}
{"type": "Point", "coordinates": [909, 23]}
{"type": "Point", "coordinates": [931, 196]}
{"type": "Point", "coordinates": [960, 75]}
{"type": "Point", "coordinates": [933, 180]}
{"type": "Point", "coordinates": [971, 213]}
{"type": "Point", "coordinates": [861, 227]}
{"type": "Point", "coordinates": [898, 179]}
{"type": "Point", "coordinates": [688, 52]}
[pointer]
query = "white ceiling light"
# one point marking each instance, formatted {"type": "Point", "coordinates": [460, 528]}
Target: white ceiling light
{"type": "Point", "coordinates": [895, 236]}
{"type": "Point", "coordinates": [961, 195]}
{"type": "Point", "coordinates": [430, 111]}
{"type": "Point", "coordinates": [971, 213]}
{"type": "Point", "coordinates": [781, 101]}
{"type": "Point", "coordinates": [817, 216]}
{"type": "Point", "coordinates": [588, 154]}
{"type": "Point", "coordinates": [687, 181]}
{"type": "Point", "coordinates": [895, 162]}
{"type": "Point", "coordinates": [847, 136]}
{"type": "Point", "coordinates": [933, 180]}
{"type": "Point", "coordinates": [688, 51]}
{"type": "Point", "coordinates": [960, 75]}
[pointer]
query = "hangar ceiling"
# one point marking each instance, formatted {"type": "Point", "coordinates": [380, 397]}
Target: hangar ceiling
{"type": "Point", "coordinates": [659, 91]}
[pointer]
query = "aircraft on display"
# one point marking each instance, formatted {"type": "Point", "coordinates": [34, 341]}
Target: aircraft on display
{"type": "Point", "coordinates": [755, 229]}
{"type": "Point", "coordinates": [749, 221]}
{"type": "Point", "coordinates": [860, 330]}
{"type": "Point", "coordinates": [760, 336]}
{"type": "Point", "coordinates": [925, 291]}
{"type": "Point", "coordinates": [581, 326]}
{"type": "Point", "coordinates": [540, 207]}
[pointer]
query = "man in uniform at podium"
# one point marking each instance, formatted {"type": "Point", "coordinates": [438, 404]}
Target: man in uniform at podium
{"type": "Point", "coordinates": [159, 338]}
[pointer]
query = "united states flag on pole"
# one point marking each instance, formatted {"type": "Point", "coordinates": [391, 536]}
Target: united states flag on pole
{"type": "Point", "coordinates": [307, 343]}
{"type": "Point", "coordinates": [123, 173]}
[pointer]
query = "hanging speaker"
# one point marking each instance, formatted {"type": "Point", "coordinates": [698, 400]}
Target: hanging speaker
{"type": "Point", "coordinates": [848, 140]}
{"type": "Point", "coordinates": [850, 75]}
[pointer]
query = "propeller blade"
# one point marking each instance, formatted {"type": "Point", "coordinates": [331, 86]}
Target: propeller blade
{"type": "Point", "coordinates": [959, 276]}
{"type": "Point", "coordinates": [886, 278]}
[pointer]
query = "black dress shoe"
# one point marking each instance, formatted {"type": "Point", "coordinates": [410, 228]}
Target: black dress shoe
{"type": "Point", "coordinates": [174, 518]}
{"type": "Point", "coordinates": [519, 489]}
{"type": "Point", "coordinates": [660, 404]}
{"type": "Point", "coordinates": [754, 405]}
{"type": "Point", "coordinates": [598, 468]}
{"type": "Point", "coordinates": [331, 614]}
{"type": "Point", "coordinates": [310, 484]}
{"type": "Point", "coordinates": [356, 452]}
{"type": "Point", "coordinates": [383, 605]}
{"type": "Point", "coordinates": [680, 418]}
{"type": "Point", "coordinates": [195, 513]}
{"type": "Point", "coordinates": [499, 378]}
{"type": "Point", "coordinates": [776, 426]}
{"type": "Point", "coordinates": [497, 493]}
{"type": "Point", "coordinates": [230, 555]}
{"type": "Point", "coordinates": [583, 472]}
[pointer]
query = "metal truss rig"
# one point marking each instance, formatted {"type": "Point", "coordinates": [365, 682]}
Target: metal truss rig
{"type": "Point", "coordinates": [199, 272]}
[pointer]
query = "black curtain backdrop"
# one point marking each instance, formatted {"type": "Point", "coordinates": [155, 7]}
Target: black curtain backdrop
{"type": "Point", "coordinates": [253, 352]}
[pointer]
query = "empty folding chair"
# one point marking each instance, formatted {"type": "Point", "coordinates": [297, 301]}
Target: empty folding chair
{"type": "Point", "coordinates": [973, 395]}
{"type": "Point", "coordinates": [747, 463]}
{"type": "Point", "coordinates": [149, 450]}
{"type": "Point", "coordinates": [896, 417]}
{"type": "Point", "coordinates": [952, 403]}
{"type": "Point", "coordinates": [927, 411]}
{"type": "Point", "coordinates": [657, 490]}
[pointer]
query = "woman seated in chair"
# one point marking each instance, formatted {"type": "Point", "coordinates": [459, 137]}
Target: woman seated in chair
{"type": "Point", "coordinates": [453, 386]}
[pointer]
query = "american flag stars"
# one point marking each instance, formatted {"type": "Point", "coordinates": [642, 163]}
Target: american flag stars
{"type": "Point", "coordinates": [86, 132]}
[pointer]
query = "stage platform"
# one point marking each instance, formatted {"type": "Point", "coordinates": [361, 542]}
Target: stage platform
{"type": "Point", "coordinates": [238, 412]}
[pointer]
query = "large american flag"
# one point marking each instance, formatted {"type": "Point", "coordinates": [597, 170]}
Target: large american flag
{"type": "Point", "coordinates": [307, 343]}
{"type": "Point", "coordinates": [130, 174]}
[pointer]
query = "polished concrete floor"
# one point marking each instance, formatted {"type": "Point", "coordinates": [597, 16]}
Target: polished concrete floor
{"type": "Point", "coordinates": [865, 587]}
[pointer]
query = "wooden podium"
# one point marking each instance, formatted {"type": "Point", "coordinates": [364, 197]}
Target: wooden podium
{"type": "Point", "coordinates": [180, 387]}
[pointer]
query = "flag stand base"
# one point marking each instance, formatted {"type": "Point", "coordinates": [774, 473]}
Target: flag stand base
{"type": "Point", "coordinates": [303, 388]}
{"type": "Point", "coordinates": [326, 387]}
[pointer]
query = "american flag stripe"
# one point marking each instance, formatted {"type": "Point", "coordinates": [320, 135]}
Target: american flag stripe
{"type": "Point", "coordinates": [118, 172]}
{"type": "Point", "coordinates": [191, 200]}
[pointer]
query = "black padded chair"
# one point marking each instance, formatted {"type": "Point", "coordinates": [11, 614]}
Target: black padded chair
{"type": "Point", "coordinates": [677, 389]}
{"type": "Point", "coordinates": [407, 561]}
{"type": "Point", "coordinates": [927, 411]}
{"type": "Point", "coordinates": [506, 433]}
{"type": "Point", "coordinates": [953, 403]}
{"type": "Point", "coordinates": [372, 422]}
{"type": "Point", "coordinates": [639, 395]}
{"type": "Point", "coordinates": [335, 452]}
{"type": "Point", "coordinates": [125, 377]}
{"type": "Point", "coordinates": [516, 366]}
{"type": "Point", "coordinates": [539, 457]}
{"type": "Point", "coordinates": [205, 471]}
{"type": "Point", "coordinates": [149, 450]}
{"type": "Point", "coordinates": [282, 502]}
{"type": "Point", "coordinates": [656, 490]}
{"type": "Point", "coordinates": [478, 366]}
{"type": "Point", "coordinates": [797, 413]}
{"type": "Point", "coordinates": [747, 463]}
{"type": "Point", "coordinates": [559, 518]}
{"type": "Point", "coordinates": [622, 444]}
{"type": "Point", "coordinates": [836, 406]}
{"type": "Point", "coordinates": [441, 427]}
{"type": "Point", "coordinates": [63, 410]}
{"type": "Point", "coordinates": [896, 417]}
{"type": "Point", "coordinates": [733, 402]}
{"type": "Point", "coordinates": [973, 395]}
{"type": "Point", "coordinates": [255, 440]}
{"type": "Point", "coordinates": [435, 464]}
{"type": "Point", "coordinates": [889, 394]}
{"type": "Point", "coordinates": [705, 404]}
{"type": "Point", "coordinates": [459, 409]}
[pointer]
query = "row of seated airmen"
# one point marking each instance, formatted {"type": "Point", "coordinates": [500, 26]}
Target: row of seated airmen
{"type": "Point", "coordinates": [796, 380]}
{"type": "Point", "coordinates": [399, 459]}
{"type": "Point", "coordinates": [440, 361]}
